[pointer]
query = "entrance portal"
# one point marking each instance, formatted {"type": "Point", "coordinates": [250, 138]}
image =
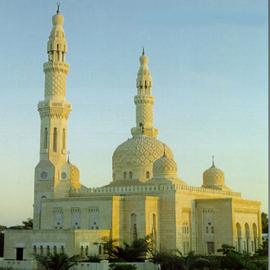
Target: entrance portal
{"type": "Point", "coordinates": [19, 254]}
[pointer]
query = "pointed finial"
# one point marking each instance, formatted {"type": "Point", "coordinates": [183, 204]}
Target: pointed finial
{"type": "Point", "coordinates": [142, 50]}
{"type": "Point", "coordinates": [213, 161]}
{"type": "Point", "coordinates": [68, 153]}
{"type": "Point", "coordinates": [58, 7]}
{"type": "Point", "coordinates": [164, 150]}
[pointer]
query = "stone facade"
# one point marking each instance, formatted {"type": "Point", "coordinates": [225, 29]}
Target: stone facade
{"type": "Point", "coordinates": [146, 195]}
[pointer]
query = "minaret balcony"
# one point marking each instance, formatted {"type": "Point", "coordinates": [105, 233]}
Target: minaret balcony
{"type": "Point", "coordinates": [150, 132]}
{"type": "Point", "coordinates": [54, 109]}
{"type": "Point", "coordinates": [53, 66]}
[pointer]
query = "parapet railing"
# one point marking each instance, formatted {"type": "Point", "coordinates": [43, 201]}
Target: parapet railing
{"type": "Point", "coordinates": [155, 189]}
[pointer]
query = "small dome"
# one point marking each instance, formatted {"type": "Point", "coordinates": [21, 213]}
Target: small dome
{"type": "Point", "coordinates": [135, 158]}
{"type": "Point", "coordinates": [213, 177]}
{"type": "Point", "coordinates": [165, 167]}
{"type": "Point", "coordinates": [74, 177]}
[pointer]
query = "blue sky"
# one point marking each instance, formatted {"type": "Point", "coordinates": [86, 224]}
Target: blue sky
{"type": "Point", "coordinates": [208, 61]}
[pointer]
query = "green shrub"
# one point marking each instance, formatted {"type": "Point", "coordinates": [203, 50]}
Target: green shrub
{"type": "Point", "coordinates": [93, 258]}
{"type": "Point", "coordinates": [169, 261]}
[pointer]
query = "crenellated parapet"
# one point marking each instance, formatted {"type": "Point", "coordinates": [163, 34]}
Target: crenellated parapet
{"type": "Point", "coordinates": [156, 189]}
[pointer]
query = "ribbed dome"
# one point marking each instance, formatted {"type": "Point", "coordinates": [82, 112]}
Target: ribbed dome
{"type": "Point", "coordinates": [134, 158]}
{"type": "Point", "coordinates": [213, 177]}
{"type": "Point", "coordinates": [165, 167]}
{"type": "Point", "coordinates": [74, 177]}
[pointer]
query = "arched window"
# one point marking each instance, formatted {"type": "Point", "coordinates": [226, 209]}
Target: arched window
{"type": "Point", "coordinates": [64, 139]}
{"type": "Point", "coordinates": [209, 228]}
{"type": "Point", "coordinates": [130, 175]}
{"type": "Point", "coordinates": [48, 250]}
{"type": "Point", "coordinates": [239, 236]}
{"type": "Point", "coordinates": [133, 227]}
{"type": "Point", "coordinates": [185, 228]}
{"type": "Point", "coordinates": [55, 139]}
{"type": "Point", "coordinates": [94, 218]}
{"type": "Point", "coordinates": [125, 175]}
{"type": "Point", "coordinates": [147, 174]}
{"type": "Point", "coordinates": [81, 250]}
{"type": "Point", "coordinates": [255, 236]}
{"type": "Point", "coordinates": [247, 234]}
{"type": "Point", "coordinates": [45, 138]}
{"type": "Point", "coordinates": [62, 249]}
{"type": "Point", "coordinates": [75, 217]}
{"type": "Point", "coordinates": [86, 250]}
{"type": "Point", "coordinates": [58, 217]}
{"type": "Point", "coordinates": [41, 250]}
{"type": "Point", "coordinates": [35, 249]}
{"type": "Point", "coordinates": [54, 249]}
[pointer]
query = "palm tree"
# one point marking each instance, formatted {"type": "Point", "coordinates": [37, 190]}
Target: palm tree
{"type": "Point", "coordinates": [136, 251]}
{"type": "Point", "coordinates": [56, 261]}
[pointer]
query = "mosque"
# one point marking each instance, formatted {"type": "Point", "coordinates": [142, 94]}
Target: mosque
{"type": "Point", "coordinates": [146, 197]}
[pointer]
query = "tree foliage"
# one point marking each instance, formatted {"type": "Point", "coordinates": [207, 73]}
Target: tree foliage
{"type": "Point", "coordinates": [56, 261]}
{"type": "Point", "coordinates": [92, 258]}
{"type": "Point", "coordinates": [263, 249]}
{"type": "Point", "coordinates": [2, 228]}
{"type": "Point", "coordinates": [169, 261]}
{"type": "Point", "coordinates": [229, 260]}
{"type": "Point", "coordinates": [234, 260]}
{"type": "Point", "coordinates": [264, 218]}
{"type": "Point", "coordinates": [26, 225]}
{"type": "Point", "coordinates": [136, 251]}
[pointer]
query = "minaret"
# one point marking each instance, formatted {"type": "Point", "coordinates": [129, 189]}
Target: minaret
{"type": "Point", "coordinates": [54, 110]}
{"type": "Point", "coordinates": [144, 101]}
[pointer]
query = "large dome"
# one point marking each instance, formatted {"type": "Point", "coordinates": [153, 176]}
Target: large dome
{"type": "Point", "coordinates": [133, 159]}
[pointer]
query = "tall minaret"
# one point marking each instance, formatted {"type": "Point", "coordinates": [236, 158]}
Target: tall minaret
{"type": "Point", "coordinates": [54, 111]}
{"type": "Point", "coordinates": [144, 101]}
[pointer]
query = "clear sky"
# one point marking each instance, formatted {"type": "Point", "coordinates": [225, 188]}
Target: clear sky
{"type": "Point", "coordinates": [208, 60]}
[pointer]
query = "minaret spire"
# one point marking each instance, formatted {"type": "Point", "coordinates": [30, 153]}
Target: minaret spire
{"type": "Point", "coordinates": [58, 7]}
{"type": "Point", "coordinates": [213, 161]}
{"type": "Point", "coordinates": [144, 101]}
